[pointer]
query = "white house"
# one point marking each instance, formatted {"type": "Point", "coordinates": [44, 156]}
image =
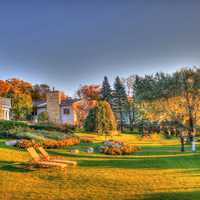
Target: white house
{"type": "Point", "coordinates": [60, 112]}
{"type": "Point", "coordinates": [5, 107]}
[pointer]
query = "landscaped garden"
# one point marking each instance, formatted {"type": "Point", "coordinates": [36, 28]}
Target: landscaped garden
{"type": "Point", "coordinates": [144, 146]}
{"type": "Point", "coordinates": [158, 170]}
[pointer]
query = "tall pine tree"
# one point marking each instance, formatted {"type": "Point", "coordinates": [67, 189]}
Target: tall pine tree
{"type": "Point", "coordinates": [120, 101]}
{"type": "Point", "coordinates": [106, 92]}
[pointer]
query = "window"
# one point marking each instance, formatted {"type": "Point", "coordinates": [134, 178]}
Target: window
{"type": "Point", "coordinates": [66, 111]}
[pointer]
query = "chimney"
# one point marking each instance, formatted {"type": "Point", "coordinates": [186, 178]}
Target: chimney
{"type": "Point", "coordinates": [53, 106]}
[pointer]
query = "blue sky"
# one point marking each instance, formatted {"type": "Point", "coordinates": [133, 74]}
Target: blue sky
{"type": "Point", "coordinates": [66, 43]}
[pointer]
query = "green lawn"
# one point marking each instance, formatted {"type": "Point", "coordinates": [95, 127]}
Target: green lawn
{"type": "Point", "coordinates": [159, 171]}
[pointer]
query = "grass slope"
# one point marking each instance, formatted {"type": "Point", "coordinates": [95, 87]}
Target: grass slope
{"type": "Point", "coordinates": [159, 171]}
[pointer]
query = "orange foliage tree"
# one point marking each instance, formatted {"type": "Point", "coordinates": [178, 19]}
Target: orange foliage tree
{"type": "Point", "coordinates": [88, 95]}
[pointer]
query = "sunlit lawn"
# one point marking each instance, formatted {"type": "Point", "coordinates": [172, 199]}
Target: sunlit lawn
{"type": "Point", "coordinates": [159, 171]}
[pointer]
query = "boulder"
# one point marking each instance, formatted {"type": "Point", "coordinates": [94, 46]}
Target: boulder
{"type": "Point", "coordinates": [101, 149]}
{"type": "Point", "coordinates": [90, 150]}
{"type": "Point", "coordinates": [11, 142]}
{"type": "Point", "coordinates": [74, 151]}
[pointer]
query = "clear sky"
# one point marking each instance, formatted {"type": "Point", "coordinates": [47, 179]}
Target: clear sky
{"type": "Point", "coordinates": [65, 43]}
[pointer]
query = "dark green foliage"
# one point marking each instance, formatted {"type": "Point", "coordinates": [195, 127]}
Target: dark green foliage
{"type": "Point", "coordinates": [106, 92]}
{"type": "Point", "coordinates": [184, 83]}
{"type": "Point", "coordinates": [90, 121]}
{"type": "Point", "coordinates": [7, 125]}
{"type": "Point", "coordinates": [120, 101]}
{"type": "Point", "coordinates": [67, 128]}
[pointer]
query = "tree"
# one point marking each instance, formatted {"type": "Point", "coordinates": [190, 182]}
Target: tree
{"type": "Point", "coordinates": [89, 95]}
{"type": "Point", "coordinates": [4, 88]}
{"type": "Point", "coordinates": [120, 101]}
{"type": "Point", "coordinates": [105, 119]}
{"type": "Point", "coordinates": [89, 92]}
{"type": "Point", "coordinates": [39, 91]}
{"type": "Point", "coordinates": [131, 104]}
{"type": "Point", "coordinates": [1, 113]}
{"type": "Point", "coordinates": [21, 106]}
{"type": "Point", "coordinates": [106, 92]}
{"type": "Point", "coordinates": [18, 86]}
{"type": "Point", "coordinates": [90, 121]}
{"type": "Point", "coordinates": [82, 109]}
{"type": "Point", "coordinates": [172, 97]}
{"type": "Point", "coordinates": [43, 117]}
{"type": "Point", "coordinates": [20, 93]}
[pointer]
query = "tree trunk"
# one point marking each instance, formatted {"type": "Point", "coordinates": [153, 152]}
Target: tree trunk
{"type": "Point", "coordinates": [182, 144]}
{"type": "Point", "coordinates": [121, 121]}
{"type": "Point", "coordinates": [191, 123]}
{"type": "Point", "coordinates": [130, 120]}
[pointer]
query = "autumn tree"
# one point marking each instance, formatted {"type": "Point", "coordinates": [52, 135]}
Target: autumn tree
{"type": "Point", "coordinates": [105, 118]}
{"type": "Point", "coordinates": [18, 86]}
{"type": "Point", "coordinates": [4, 88]}
{"type": "Point", "coordinates": [88, 95]}
{"type": "Point", "coordinates": [171, 97]}
{"type": "Point", "coordinates": [20, 94]}
{"type": "Point", "coordinates": [21, 106]}
{"type": "Point", "coordinates": [89, 92]}
{"type": "Point", "coordinates": [39, 91]}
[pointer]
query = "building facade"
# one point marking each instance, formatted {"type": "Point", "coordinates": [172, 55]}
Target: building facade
{"type": "Point", "coordinates": [59, 112]}
{"type": "Point", "coordinates": [5, 108]}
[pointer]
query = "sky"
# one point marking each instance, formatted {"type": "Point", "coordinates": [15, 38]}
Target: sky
{"type": "Point", "coordinates": [68, 43]}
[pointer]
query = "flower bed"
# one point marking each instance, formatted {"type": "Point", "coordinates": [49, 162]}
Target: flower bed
{"type": "Point", "coordinates": [118, 148]}
{"type": "Point", "coordinates": [49, 143]}
{"type": "Point", "coordinates": [27, 143]}
{"type": "Point", "coordinates": [61, 143]}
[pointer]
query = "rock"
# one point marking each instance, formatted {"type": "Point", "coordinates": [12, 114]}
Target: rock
{"type": "Point", "coordinates": [108, 143]}
{"type": "Point", "coordinates": [75, 151]}
{"type": "Point", "coordinates": [101, 149]}
{"type": "Point", "coordinates": [11, 142]}
{"type": "Point", "coordinates": [90, 150]}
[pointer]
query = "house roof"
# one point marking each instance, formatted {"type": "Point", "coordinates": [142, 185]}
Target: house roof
{"type": "Point", "coordinates": [39, 103]}
{"type": "Point", "coordinates": [43, 104]}
{"type": "Point", "coordinates": [68, 102]}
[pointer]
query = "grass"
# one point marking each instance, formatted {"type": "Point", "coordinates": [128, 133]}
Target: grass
{"type": "Point", "coordinates": [159, 172]}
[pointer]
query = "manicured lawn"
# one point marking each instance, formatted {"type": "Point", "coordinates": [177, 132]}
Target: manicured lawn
{"type": "Point", "coordinates": [159, 171]}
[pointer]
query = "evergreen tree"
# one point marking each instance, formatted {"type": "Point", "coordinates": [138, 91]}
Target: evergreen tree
{"type": "Point", "coordinates": [120, 101]}
{"type": "Point", "coordinates": [90, 121]}
{"type": "Point", "coordinates": [106, 92]}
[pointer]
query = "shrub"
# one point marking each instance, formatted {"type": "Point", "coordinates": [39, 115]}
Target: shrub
{"type": "Point", "coordinates": [29, 136]}
{"type": "Point", "coordinates": [124, 150]}
{"type": "Point", "coordinates": [67, 128]}
{"type": "Point", "coordinates": [86, 140]}
{"type": "Point", "coordinates": [43, 117]}
{"type": "Point", "coordinates": [118, 148]}
{"type": "Point", "coordinates": [61, 143]}
{"type": "Point", "coordinates": [27, 143]}
{"type": "Point", "coordinates": [6, 125]}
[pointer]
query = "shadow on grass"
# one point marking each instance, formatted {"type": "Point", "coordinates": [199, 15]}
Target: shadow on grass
{"type": "Point", "coordinates": [193, 195]}
{"type": "Point", "coordinates": [14, 167]}
{"type": "Point", "coordinates": [142, 163]}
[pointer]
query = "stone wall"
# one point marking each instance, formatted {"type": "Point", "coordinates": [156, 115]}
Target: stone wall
{"type": "Point", "coordinates": [53, 106]}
